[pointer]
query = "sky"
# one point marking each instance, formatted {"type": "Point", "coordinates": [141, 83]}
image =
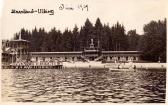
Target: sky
{"type": "Point", "coordinates": [133, 14]}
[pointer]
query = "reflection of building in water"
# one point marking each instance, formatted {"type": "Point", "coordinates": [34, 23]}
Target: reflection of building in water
{"type": "Point", "coordinates": [17, 50]}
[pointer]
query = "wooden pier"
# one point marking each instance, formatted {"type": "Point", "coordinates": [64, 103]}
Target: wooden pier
{"type": "Point", "coordinates": [32, 67]}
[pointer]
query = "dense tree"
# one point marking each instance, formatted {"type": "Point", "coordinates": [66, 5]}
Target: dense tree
{"type": "Point", "coordinates": [155, 38]}
{"type": "Point", "coordinates": [120, 39]}
{"type": "Point", "coordinates": [152, 43]}
{"type": "Point", "coordinates": [75, 37]}
{"type": "Point", "coordinates": [133, 40]}
{"type": "Point", "coordinates": [86, 33]}
{"type": "Point", "coordinates": [34, 40]}
{"type": "Point", "coordinates": [98, 33]}
{"type": "Point", "coordinates": [67, 41]}
{"type": "Point", "coordinates": [107, 38]}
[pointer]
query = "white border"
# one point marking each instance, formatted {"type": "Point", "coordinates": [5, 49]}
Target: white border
{"type": "Point", "coordinates": [15, 103]}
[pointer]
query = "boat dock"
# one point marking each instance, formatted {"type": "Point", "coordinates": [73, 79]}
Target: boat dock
{"type": "Point", "coordinates": [33, 67]}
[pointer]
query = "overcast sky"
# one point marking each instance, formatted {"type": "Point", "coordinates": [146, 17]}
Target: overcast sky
{"type": "Point", "coordinates": [133, 14]}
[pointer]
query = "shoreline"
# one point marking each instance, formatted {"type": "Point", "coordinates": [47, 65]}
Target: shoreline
{"type": "Point", "coordinates": [99, 65]}
{"type": "Point", "coordinates": [114, 65]}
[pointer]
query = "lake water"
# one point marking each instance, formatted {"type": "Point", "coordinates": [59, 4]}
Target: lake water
{"type": "Point", "coordinates": [84, 86]}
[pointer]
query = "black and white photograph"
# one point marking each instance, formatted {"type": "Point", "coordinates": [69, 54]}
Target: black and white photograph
{"type": "Point", "coordinates": [83, 51]}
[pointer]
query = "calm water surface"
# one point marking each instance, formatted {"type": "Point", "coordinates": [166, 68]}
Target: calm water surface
{"type": "Point", "coordinates": [77, 85]}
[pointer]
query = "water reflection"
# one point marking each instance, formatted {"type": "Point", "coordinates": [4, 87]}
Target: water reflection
{"type": "Point", "coordinates": [81, 85]}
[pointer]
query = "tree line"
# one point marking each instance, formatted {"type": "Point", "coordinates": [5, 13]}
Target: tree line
{"type": "Point", "coordinates": [110, 38]}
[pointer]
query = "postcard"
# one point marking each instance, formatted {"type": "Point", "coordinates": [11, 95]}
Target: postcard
{"type": "Point", "coordinates": [83, 51]}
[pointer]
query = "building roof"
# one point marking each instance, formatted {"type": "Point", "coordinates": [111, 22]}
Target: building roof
{"type": "Point", "coordinates": [121, 52]}
{"type": "Point", "coordinates": [80, 52]}
{"type": "Point", "coordinates": [75, 52]}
